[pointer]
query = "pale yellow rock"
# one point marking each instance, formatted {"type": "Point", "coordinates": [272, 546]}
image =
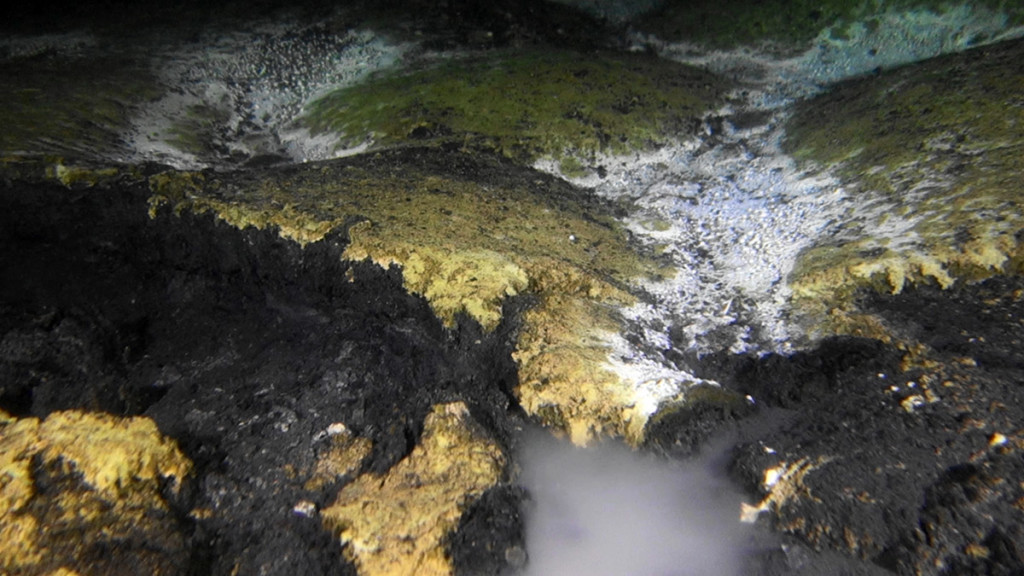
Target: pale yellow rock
{"type": "Point", "coordinates": [395, 524]}
{"type": "Point", "coordinates": [453, 280]}
{"type": "Point", "coordinates": [344, 457]}
{"type": "Point", "coordinates": [112, 453]}
{"type": "Point", "coordinates": [107, 476]}
{"type": "Point", "coordinates": [291, 222]}
{"type": "Point", "coordinates": [562, 356]}
{"type": "Point", "coordinates": [899, 270]}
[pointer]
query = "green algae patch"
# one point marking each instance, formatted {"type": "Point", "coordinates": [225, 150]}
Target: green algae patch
{"type": "Point", "coordinates": [79, 108]}
{"type": "Point", "coordinates": [467, 233]}
{"type": "Point", "coordinates": [790, 24]}
{"type": "Point", "coordinates": [86, 491]}
{"type": "Point", "coordinates": [558, 105]}
{"type": "Point", "coordinates": [931, 155]}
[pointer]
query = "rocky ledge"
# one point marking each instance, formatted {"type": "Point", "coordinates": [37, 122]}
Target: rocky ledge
{"type": "Point", "coordinates": [327, 367]}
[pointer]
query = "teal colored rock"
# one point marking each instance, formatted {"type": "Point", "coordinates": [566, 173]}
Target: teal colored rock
{"type": "Point", "coordinates": [792, 24]}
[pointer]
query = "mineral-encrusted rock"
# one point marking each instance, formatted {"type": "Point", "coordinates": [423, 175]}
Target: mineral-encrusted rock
{"type": "Point", "coordinates": [343, 348]}
{"type": "Point", "coordinates": [89, 492]}
{"type": "Point", "coordinates": [932, 153]}
{"type": "Point", "coordinates": [468, 232]}
{"type": "Point", "coordinates": [901, 450]}
{"type": "Point", "coordinates": [395, 524]}
{"type": "Point", "coordinates": [284, 372]}
{"type": "Point", "coordinates": [906, 456]}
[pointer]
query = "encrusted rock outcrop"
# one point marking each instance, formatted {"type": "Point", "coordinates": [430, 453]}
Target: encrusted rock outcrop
{"type": "Point", "coordinates": [395, 524]}
{"type": "Point", "coordinates": [467, 233]}
{"type": "Point", "coordinates": [80, 490]}
{"type": "Point", "coordinates": [935, 148]}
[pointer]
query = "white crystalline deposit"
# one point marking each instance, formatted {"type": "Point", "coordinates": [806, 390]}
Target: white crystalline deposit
{"type": "Point", "coordinates": [651, 382]}
{"type": "Point", "coordinates": [732, 217]}
{"type": "Point", "coordinates": [732, 210]}
{"type": "Point", "coordinates": [235, 95]}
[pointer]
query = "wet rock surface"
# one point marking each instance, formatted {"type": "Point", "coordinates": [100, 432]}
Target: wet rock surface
{"type": "Point", "coordinates": [241, 346]}
{"type": "Point", "coordinates": [906, 457]}
{"type": "Point", "coordinates": [260, 357]}
{"type": "Point", "coordinates": [345, 352]}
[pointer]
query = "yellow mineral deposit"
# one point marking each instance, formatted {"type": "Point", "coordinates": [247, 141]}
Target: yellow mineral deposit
{"type": "Point", "coordinates": [107, 474]}
{"type": "Point", "coordinates": [466, 247]}
{"type": "Point", "coordinates": [344, 458]}
{"type": "Point", "coordinates": [560, 352]}
{"type": "Point", "coordinates": [395, 524]}
{"type": "Point", "coordinates": [784, 483]}
{"type": "Point", "coordinates": [453, 280]}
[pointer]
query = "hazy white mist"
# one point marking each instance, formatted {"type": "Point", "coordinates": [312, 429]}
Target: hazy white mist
{"type": "Point", "coordinates": [608, 511]}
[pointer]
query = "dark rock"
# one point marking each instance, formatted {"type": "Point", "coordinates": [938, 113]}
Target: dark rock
{"type": "Point", "coordinates": [906, 456]}
{"type": "Point", "coordinates": [490, 538]}
{"type": "Point", "coordinates": [244, 348]}
{"type": "Point", "coordinates": [682, 431]}
{"type": "Point", "coordinates": [477, 24]}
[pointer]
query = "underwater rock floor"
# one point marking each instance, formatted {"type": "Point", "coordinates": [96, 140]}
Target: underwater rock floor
{"type": "Point", "coordinates": [786, 270]}
{"type": "Point", "coordinates": [262, 360]}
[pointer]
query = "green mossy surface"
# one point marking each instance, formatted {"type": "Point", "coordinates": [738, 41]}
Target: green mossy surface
{"type": "Point", "coordinates": [792, 23]}
{"type": "Point", "coordinates": [562, 105]}
{"type": "Point", "coordinates": [936, 149]}
{"type": "Point", "coordinates": [75, 107]}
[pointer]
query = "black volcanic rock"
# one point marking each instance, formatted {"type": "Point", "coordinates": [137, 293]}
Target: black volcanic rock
{"type": "Point", "coordinates": [242, 347]}
{"type": "Point", "coordinates": [904, 457]}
